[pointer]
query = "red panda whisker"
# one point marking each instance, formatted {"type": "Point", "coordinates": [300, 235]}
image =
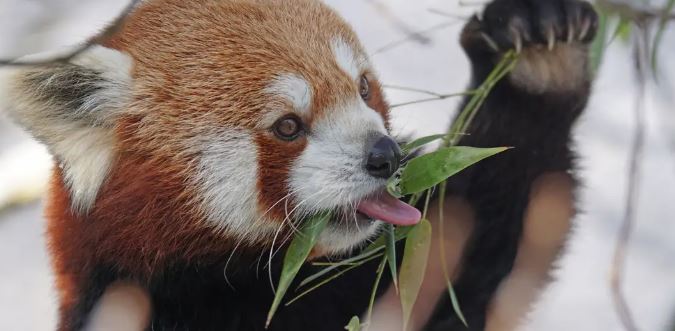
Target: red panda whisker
{"type": "Point", "coordinates": [271, 255]}
{"type": "Point", "coordinates": [227, 263]}
{"type": "Point", "coordinates": [288, 214]}
{"type": "Point", "coordinates": [274, 205]}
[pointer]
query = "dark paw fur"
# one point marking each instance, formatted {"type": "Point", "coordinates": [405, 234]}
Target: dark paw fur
{"type": "Point", "coordinates": [518, 24]}
{"type": "Point", "coordinates": [551, 37]}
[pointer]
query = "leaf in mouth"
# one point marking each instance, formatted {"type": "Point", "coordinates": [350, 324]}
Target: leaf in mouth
{"type": "Point", "coordinates": [296, 255]}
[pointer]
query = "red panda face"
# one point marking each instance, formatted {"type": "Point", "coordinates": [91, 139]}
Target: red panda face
{"type": "Point", "coordinates": [241, 117]}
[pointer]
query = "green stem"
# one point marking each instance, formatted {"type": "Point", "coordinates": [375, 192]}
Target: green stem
{"type": "Point", "coordinates": [380, 271]}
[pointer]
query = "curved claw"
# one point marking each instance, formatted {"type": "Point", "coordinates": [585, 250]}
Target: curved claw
{"type": "Point", "coordinates": [517, 39]}
{"type": "Point", "coordinates": [550, 38]}
{"type": "Point", "coordinates": [570, 33]}
{"type": "Point", "coordinates": [585, 27]}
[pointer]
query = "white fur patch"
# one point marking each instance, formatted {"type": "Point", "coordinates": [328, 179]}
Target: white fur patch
{"type": "Point", "coordinates": [330, 173]}
{"type": "Point", "coordinates": [86, 156]}
{"type": "Point", "coordinates": [295, 89]}
{"type": "Point", "coordinates": [227, 180]}
{"type": "Point", "coordinates": [77, 132]}
{"type": "Point", "coordinates": [336, 240]}
{"type": "Point", "coordinates": [347, 59]}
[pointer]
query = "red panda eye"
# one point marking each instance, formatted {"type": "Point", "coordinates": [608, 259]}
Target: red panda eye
{"type": "Point", "coordinates": [288, 127]}
{"type": "Point", "coordinates": [364, 88]}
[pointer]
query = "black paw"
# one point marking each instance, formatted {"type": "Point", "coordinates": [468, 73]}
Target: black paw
{"type": "Point", "coordinates": [519, 24]}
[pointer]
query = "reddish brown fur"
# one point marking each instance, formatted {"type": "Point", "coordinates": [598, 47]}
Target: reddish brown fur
{"type": "Point", "coordinates": [218, 71]}
{"type": "Point", "coordinates": [199, 66]}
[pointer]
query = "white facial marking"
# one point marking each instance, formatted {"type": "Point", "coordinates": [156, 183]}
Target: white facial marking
{"type": "Point", "coordinates": [227, 180]}
{"type": "Point", "coordinates": [78, 131]}
{"type": "Point", "coordinates": [295, 89]}
{"type": "Point", "coordinates": [336, 241]}
{"type": "Point", "coordinates": [347, 59]}
{"type": "Point", "coordinates": [330, 173]}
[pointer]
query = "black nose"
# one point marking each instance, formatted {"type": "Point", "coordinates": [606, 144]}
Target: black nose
{"type": "Point", "coordinates": [383, 158]}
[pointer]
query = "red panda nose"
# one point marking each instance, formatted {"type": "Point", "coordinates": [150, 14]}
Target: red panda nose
{"type": "Point", "coordinates": [384, 158]}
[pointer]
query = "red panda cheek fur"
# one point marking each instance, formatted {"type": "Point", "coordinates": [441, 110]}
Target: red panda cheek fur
{"type": "Point", "coordinates": [273, 172]}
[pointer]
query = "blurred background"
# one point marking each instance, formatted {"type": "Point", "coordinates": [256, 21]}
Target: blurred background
{"type": "Point", "coordinates": [413, 44]}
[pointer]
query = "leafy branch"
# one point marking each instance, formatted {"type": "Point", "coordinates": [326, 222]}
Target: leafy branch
{"type": "Point", "coordinates": [419, 175]}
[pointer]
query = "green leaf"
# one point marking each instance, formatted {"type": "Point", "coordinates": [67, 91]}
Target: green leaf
{"type": "Point", "coordinates": [401, 232]}
{"type": "Point", "coordinates": [623, 29]}
{"type": "Point", "coordinates": [428, 170]}
{"type": "Point", "coordinates": [390, 237]}
{"type": "Point", "coordinates": [373, 292]}
{"type": "Point", "coordinates": [392, 185]}
{"type": "Point", "coordinates": [455, 304]}
{"type": "Point", "coordinates": [359, 259]}
{"type": "Point", "coordinates": [296, 255]}
{"type": "Point", "coordinates": [417, 143]}
{"type": "Point", "coordinates": [332, 277]}
{"type": "Point", "coordinates": [441, 246]}
{"type": "Point", "coordinates": [354, 324]}
{"type": "Point", "coordinates": [415, 256]}
{"type": "Point", "coordinates": [600, 43]}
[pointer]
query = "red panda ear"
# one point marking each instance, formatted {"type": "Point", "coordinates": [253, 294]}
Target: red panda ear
{"type": "Point", "coordinates": [71, 108]}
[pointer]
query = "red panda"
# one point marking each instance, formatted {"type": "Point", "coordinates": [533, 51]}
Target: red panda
{"type": "Point", "coordinates": [191, 142]}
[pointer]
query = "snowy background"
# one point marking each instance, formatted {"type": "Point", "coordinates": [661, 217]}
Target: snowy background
{"type": "Point", "coordinates": [580, 298]}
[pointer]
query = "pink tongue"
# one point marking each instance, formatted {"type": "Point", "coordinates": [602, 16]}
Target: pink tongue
{"type": "Point", "coordinates": [391, 210]}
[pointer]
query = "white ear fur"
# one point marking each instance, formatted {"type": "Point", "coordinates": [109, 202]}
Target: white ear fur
{"type": "Point", "coordinates": [71, 107]}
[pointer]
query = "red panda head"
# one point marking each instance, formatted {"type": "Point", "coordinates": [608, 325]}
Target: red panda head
{"type": "Point", "coordinates": [214, 121]}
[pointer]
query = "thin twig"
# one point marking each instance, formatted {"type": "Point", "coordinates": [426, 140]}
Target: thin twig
{"type": "Point", "coordinates": [102, 36]}
{"type": "Point", "coordinates": [629, 218]}
{"type": "Point", "coordinates": [447, 14]}
{"type": "Point", "coordinates": [625, 10]}
{"type": "Point", "coordinates": [397, 22]}
{"type": "Point", "coordinates": [412, 89]}
{"type": "Point", "coordinates": [435, 98]}
{"type": "Point", "coordinates": [412, 36]}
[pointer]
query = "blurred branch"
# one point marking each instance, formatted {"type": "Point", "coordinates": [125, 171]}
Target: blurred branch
{"type": "Point", "coordinates": [641, 56]}
{"type": "Point", "coordinates": [632, 13]}
{"type": "Point", "coordinates": [414, 35]}
{"type": "Point", "coordinates": [447, 14]}
{"type": "Point", "coordinates": [397, 22]}
{"type": "Point", "coordinates": [102, 36]}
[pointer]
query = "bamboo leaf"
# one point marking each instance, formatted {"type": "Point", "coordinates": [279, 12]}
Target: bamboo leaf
{"type": "Point", "coordinates": [393, 187]}
{"type": "Point", "coordinates": [390, 251]}
{"type": "Point", "coordinates": [415, 256]}
{"type": "Point", "coordinates": [332, 277]}
{"type": "Point", "coordinates": [354, 324]}
{"type": "Point", "coordinates": [455, 303]}
{"type": "Point", "coordinates": [358, 260]}
{"type": "Point", "coordinates": [373, 292]}
{"type": "Point", "coordinates": [400, 233]}
{"type": "Point", "coordinates": [600, 43]}
{"type": "Point", "coordinates": [441, 233]}
{"type": "Point", "coordinates": [295, 257]}
{"type": "Point", "coordinates": [623, 29]}
{"type": "Point", "coordinates": [417, 143]}
{"type": "Point", "coordinates": [428, 170]}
